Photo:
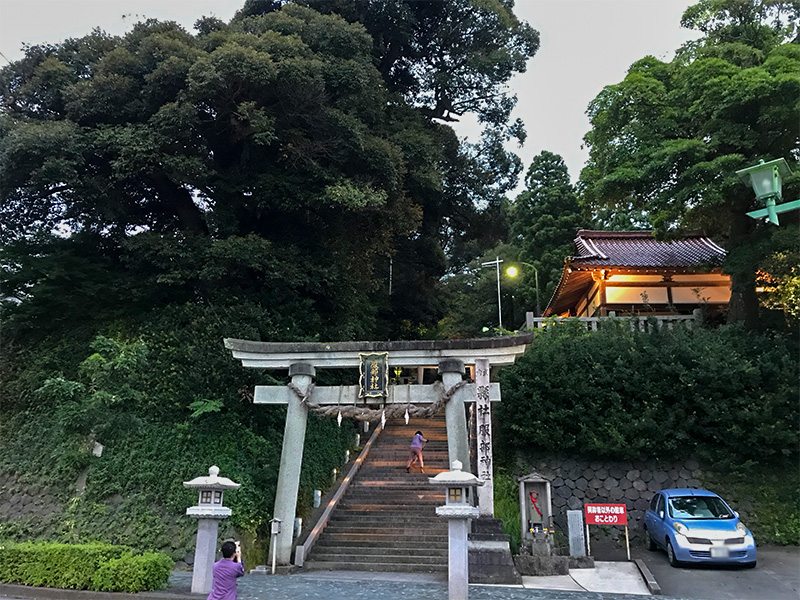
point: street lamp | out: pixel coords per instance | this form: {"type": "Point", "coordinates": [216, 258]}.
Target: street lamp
{"type": "Point", "coordinates": [496, 262]}
{"type": "Point", "coordinates": [513, 272]}
{"type": "Point", "coordinates": [766, 178]}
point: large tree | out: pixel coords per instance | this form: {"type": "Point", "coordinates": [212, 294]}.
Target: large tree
{"type": "Point", "coordinates": [666, 141]}
{"type": "Point", "coordinates": [448, 57]}
{"type": "Point", "coordinates": [543, 222]}
{"type": "Point", "coordinates": [266, 158]}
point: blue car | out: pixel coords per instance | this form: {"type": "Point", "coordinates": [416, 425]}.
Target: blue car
{"type": "Point", "coordinates": [697, 526]}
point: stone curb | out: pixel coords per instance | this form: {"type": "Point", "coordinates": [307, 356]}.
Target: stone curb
{"type": "Point", "coordinates": [45, 593]}
{"type": "Point", "coordinates": [649, 580]}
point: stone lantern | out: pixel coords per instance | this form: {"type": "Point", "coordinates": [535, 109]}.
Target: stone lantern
{"type": "Point", "coordinates": [458, 509]}
{"type": "Point", "coordinates": [209, 511]}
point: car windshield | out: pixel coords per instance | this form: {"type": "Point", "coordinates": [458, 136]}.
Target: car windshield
{"type": "Point", "coordinates": [698, 507]}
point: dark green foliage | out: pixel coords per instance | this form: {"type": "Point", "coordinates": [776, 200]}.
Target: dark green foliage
{"type": "Point", "coordinates": [770, 496]}
{"type": "Point", "coordinates": [134, 494]}
{"type": "Point", "coordinates": [725, 395]}
{"type": "Point", "coordinates": [149, 571]}
{"type": "Point", "coordinates": [266, 160]}
{"type": "Point", "coordinates": [449, 57]}
{"type": "Point", "coordinates": [506, 507]}
{"type": "Point", "coordinates": [543, 222]}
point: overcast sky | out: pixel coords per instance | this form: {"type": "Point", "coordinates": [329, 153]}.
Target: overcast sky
{"type": "Point", "coordinates": [585, 45]}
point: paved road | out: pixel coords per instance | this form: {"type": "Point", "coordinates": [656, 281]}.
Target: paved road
{"type": "Point", "coordinates": [776, 577]}
{"type": "Point", "coordinates": [386, 586]}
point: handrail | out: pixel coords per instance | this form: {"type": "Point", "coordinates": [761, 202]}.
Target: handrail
{"type": "Point", "coordinates": [302, 551]}
{"type": "Point", "coordinates": [592, 323]}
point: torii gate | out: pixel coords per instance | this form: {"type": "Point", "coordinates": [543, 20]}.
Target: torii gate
{"type": "Point", "coordinates": [303, 358]}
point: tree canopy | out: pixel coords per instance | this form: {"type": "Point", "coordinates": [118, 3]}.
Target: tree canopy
{"type": "Point", "coordinates": [667, 140]}
{"type": "Point", "coordinates": [543, 221]}
{"type": "Point", "coordinates": [266, 158]}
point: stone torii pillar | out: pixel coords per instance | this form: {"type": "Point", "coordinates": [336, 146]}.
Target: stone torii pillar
{"type": "Point", "coordinates": [294, 437]}
{"type": "Point", "coordinates": [452, 372]}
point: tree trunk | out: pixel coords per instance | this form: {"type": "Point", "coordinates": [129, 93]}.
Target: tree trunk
{"type": "Point", "coordinates": [741, 264]}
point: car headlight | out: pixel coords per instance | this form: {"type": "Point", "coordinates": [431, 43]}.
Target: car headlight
{"type": "Point", "coordinates": [741, 528]}
{"type": "Point", "coordinates": [681, 528]}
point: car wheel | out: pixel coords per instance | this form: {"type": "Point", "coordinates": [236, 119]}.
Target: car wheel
{"type": "Point", "coordinates": [651, 543]}
{"type": "Point", "coordinates": [671, 555]}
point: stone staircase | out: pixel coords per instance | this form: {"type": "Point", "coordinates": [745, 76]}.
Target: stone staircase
{"type": "Point", "coordinates": [387, 520]}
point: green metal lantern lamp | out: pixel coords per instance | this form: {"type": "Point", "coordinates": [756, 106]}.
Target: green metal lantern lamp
{"type": "Point", "coordinates": [766, 179]}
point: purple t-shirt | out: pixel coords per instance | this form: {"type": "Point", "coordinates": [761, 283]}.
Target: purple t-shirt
{"type": "Point", "coordinates": [417, 441]}
{"type": "Point", "coordinates": [225, 573]}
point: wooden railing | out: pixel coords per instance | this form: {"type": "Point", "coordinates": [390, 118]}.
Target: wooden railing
{"type": "Point", "coordinates": [642, 323]}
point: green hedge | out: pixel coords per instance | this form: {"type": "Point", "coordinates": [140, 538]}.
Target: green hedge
{"type": "Point", "coordinates": [149, 571]}
{"type": "Point", "coordinates": [102, 567]}
{"type": "Point", "coordinates": [727, 396]}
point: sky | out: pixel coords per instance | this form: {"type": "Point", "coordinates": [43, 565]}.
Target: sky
{"type": "Point", "coordinates": [585, 45]}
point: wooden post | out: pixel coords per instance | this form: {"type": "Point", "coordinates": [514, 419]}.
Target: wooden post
{"type": "Point", "coordinates": [588, 542]}
{"type": "Point", "coordinates": [627, 543]}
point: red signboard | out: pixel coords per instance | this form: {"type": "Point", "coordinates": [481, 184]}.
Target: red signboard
{"type": "Point", "coordinates": [606, 514]}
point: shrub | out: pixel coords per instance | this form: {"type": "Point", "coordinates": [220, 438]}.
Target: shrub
{"type": "Point", "coordinates": [728, 396]}
{"type": "Point", "coordinates": [55, 565]}
{"type": "Point", "coordinates": [506, 507]}
{"type": "Point", "coordinates": [82, 566]}
{"type": "Point", "coordinates": [149, 571]}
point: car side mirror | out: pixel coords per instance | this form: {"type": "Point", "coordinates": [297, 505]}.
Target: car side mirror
{"type": "Point", "coordinates": [661, 514]}
{"type": "Point", "coordinates": [736, 513]}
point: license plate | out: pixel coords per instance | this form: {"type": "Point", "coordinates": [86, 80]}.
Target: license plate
{"type": "Point", "coordinates": [720, 553]}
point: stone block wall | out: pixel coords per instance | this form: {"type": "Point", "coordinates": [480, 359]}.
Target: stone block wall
{"type": "Point", "coordinates": [575, 482]}
{"type": "Point", "coordinates": [20, 500]}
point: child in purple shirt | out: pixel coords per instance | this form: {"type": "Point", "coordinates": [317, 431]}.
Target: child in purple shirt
{"type": "Point", "coordinates": [415, 452]}
{"type": "Point", "coordinates": [226, 571]}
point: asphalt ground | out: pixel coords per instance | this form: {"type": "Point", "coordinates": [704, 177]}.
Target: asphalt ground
{"type": "Point", "coordinates": [337, 585]}
{"type": "Point", "coordinates": [777, 577]}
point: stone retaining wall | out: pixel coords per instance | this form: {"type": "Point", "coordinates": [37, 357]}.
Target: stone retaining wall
{"type": "Point", "coordinates": [20, 500]}
{"type": "Point", "coordinates": [575, 482]}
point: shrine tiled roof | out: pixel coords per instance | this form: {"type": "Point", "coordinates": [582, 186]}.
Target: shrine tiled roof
{"type": "Point", "coordinates": [639, 249]}
{"type": "Point", "coordinates": [629, 251]}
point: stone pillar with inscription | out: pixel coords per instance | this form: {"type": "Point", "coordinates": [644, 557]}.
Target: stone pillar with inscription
{"type": "Point", "coordinates": [483, 423]}
{"type": "Point", "coordinates": [490, 558]}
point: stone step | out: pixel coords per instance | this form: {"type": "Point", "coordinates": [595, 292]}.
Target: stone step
{"type": "Point", "coordinates": [374, 551]}
{"type": "Point", "coordinates": [401, 483]}
{"type": "Point", "coordinates": [399, 509]}
{"type": "Point", "coordinates": [409, 511]}
{"type": "Point", "coordinates": [396, 497]}
{"type": "Point", "coordinates": [389, 567]}
{"type": "Point", "coordinates": [387, 520]}
{"type": "Point", "coordinates": [371, 558]}
{"type": "Point", "coordinates": [385, 531]}
{"type": "Point", "coordinates": [398, 473]}
{"type": "Point", "coordinates": [347, 538]}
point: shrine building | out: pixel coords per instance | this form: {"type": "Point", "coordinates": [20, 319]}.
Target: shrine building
{"type": "Point", "coordinates": [632, 273]}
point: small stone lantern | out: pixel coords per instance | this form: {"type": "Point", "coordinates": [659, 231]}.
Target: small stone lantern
{"type": "Point", "coordinates": [458, 509]}
{"type": "Point", "coordinates": [209, 511]}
